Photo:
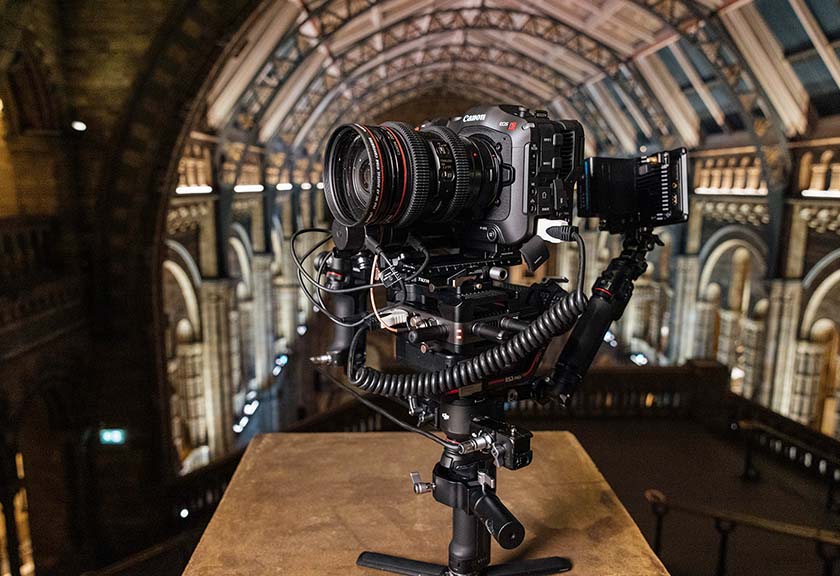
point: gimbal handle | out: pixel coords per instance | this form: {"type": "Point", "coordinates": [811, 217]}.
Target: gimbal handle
{"type": "Point", "coordinates": [610, 295]}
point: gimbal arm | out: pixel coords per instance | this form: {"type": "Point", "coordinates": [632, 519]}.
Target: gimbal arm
{"type": "Point", "coordinates": [610, 296]}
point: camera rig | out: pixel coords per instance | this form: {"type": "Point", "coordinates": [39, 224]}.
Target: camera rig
{"type": "Point", "coordinates": [474, 342]}
{"type": "Point", "coordinates": [435, 218]}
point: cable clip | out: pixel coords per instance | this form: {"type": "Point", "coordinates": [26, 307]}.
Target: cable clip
{"type": "Point", "coordinates": [390, 276]}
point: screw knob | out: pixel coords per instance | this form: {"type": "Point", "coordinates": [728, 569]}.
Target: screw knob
{"type": "Point", "coordinates": [420, 487]}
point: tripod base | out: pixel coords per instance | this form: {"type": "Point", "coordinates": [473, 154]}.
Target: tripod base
{"type": "Point", "coordinates": [406, 567]}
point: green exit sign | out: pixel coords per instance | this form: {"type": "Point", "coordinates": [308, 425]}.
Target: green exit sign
{"type": "Point", "coordinates": [112, 436]}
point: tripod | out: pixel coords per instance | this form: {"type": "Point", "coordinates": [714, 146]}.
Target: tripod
{"type": "Point", "coordinates": [466, 483]}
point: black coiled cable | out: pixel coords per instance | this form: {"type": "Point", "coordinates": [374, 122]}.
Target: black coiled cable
{"type": "Point", "coordinates": [557, 320]}
{"type": "Point", "coordinates": [553, 322]}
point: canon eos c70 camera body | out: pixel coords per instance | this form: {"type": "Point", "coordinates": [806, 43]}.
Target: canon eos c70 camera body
{"type": "Point", "coordinates": [485, 176]}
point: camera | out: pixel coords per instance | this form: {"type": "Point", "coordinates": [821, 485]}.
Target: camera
{"type": "Point", "coordinates": [436, 216]}
{"type": "Point", "coordinates": [484, 177]}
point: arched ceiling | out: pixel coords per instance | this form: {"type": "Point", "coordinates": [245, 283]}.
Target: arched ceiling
{"type": "Point", "coordinates": [552, 49]}
{"type": "Point", "coordinates": [639, 74]}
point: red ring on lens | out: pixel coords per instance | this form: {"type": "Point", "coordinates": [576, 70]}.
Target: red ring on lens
{"type": "Point", "coordinates": [396, 212]}
{"type": "Point", "coordinates": [371, 135]}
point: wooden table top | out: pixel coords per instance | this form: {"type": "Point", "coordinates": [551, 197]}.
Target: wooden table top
{"type": "Point", "coordinates": [307, 504]}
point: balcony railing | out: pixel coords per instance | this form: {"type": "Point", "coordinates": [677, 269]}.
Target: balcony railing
{"type": "Point", "coordinates": [28, 248]}
{"type": "Point", "coordinates": [763, 431]}
{"type": "Point", "coordinates": [827, 542]}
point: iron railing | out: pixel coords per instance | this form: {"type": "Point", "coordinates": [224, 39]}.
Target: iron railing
{"type": "Point", "coordinates": [791, 450]}
{"type": "Point", "coordinates": [786, 441]}
{"type": "Point", "coordinates": [827, 542]}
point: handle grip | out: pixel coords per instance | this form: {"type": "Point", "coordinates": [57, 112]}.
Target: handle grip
{"type": "Point", "coordinates": [500, 522]}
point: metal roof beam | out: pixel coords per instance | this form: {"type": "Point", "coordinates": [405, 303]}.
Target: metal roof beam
{"type": "Point", "coordinates": [818, 39]}
{"type": "Point", "coordinates": [699, 86]}
{"type": "Point", "coordinates": [764, 55]}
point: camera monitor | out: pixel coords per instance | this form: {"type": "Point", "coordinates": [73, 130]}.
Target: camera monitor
{"type": "Point", "coordinates": [631, 193]}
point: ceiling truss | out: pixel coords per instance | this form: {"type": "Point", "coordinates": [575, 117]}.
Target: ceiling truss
{"type": "Point", "coordinates": [337, 79]}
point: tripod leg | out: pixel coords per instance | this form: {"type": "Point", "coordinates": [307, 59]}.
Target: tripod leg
{"type": "Point", "coordinates": [538, 567]}
{"type": "Point", "coordinates": [397, 565]}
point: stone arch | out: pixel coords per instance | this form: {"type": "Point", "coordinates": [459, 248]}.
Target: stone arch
{"type": "Point", "coordinates": [187, 393]}
{"type": "Point", "coordinates": [822, 294]}
{"type": "Point", "coordinates": [735, 259]}
{"type": "Point", "coordinates": [132, 200]}
{"type": "Point", "coordinates": [725, 242]}
{"type": "Point", "coordinates": [244, 252]}
{"type": "Point", "coordinates": [29, 92]}
{"type": "Point", "coordinates": [188, 293]}
{"type": "Point", "coordinates": [188, 262]}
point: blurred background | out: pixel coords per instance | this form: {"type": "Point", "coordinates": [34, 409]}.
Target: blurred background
{"type": "Point", "coordinates": [157, 156]}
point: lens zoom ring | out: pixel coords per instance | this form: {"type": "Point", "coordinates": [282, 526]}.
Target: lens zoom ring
{"type": "Point", "coordinates": [462, 171]}
{"type": "Point", "coordinates": [418, 161]}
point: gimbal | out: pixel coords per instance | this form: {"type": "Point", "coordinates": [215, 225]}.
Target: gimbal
{"type": "Point", "coordinates": [478, 438]}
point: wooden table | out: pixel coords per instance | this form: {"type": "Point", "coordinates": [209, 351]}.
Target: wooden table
{"type": "Point", "coordinates": [307, 504]}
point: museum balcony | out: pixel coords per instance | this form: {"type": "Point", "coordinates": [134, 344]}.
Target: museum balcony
{"type": "Point", "coordinates": [716, 483]}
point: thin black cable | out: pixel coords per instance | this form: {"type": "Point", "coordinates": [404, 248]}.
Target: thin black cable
{"type": "Point", "coordinates": [300, 261]}
{"type": "Point", "coordinates": [301, 270]}
{"type": "Point", "coordinates": [582, 264]}
{"type": "Point", "coordinates": [404, 425]}
{"type": "Point", "coordinates": [426, 258]}
{"type": "Point", "coordinates": [332, 317]}
{"type": "Point", "coordinates": [319, 303]}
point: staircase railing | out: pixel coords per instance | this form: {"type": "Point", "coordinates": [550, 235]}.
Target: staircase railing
{"type": "Point", "coordinates": [786, 441]}
{"type": "Point", "coordinates": [827, 542]}
{"type": "Point", "coordinates": [791, 450]}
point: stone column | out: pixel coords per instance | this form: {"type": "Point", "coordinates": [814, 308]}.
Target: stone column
{"type": "Point", "coordinates": [217, 301]}
{"type": "Point", "coordinates": [730, 333]}
{"type": "Point", "coordinates": [706, 331]}
{"type": "Point", "coordinates": [755, 348]}
{"type": "Point", "coordinates": [262, 321]}
{"type": "Point", "coordinates": [286, 303]}
{"type": "Point", "coordinates": [236, 393]}
{"type": "Point", "coordinates": [191, 391]}
{"type": "Point", "coordinates": [684, 321]}
{"type": "Point", "coordinates": [176, 403]}
{"type": "Point", "coordinates": [807, 373]}
{"type": "Point", "coordinates": [787, 299]}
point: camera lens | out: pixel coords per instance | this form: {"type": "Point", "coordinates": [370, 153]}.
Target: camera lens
{"type": "Point", "coordinates": [391, 174]}
{"type": "Point", "coordinates": [373, 175]}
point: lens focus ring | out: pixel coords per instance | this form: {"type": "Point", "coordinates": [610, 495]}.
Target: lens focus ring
{"type": "Point", "coordinates": [420, 173]}
{"type": "Point", "coordinates": [462, 171]}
